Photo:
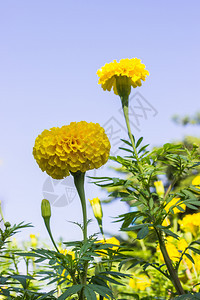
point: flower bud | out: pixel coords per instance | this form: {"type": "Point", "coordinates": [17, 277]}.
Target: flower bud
{"type": "Point", "coordinates": [96, 207]}
{"type": "Point", "coordinates": [45, 209]}
{"type": "Point", "coordinates": [7, 224]}
{"type": "Point", "coordinates": [159, 188]}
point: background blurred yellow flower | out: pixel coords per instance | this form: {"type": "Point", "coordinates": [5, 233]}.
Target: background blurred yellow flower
{"type": "Point", "coordinates": [175, 209]}
{"type": "Point", "coordinates": [190, 223]}
{"type": "Point", "coordinates": [34, 240]}
{"type": "Point", "coordinates": [122, 75]}
{"type": "Point", "coordinates": [111, 240]}
{"type": "Point", "coordinates": [139, 282]}
{"type": "Point", "coordinates": [196, 181]}
{"type": "Point", "coordinates": [159, 188]}
{"type": "Point", "coordinates": [80, 146]}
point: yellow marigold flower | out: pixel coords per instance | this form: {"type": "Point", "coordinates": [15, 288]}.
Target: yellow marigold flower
{"type": "Point", "coordinates": [166, 222]}
{"type": "Point", "coordinates": [122, 75]}
{"type": "Point", "coordinates": [175, 249]}
{"type": "Point", "coordinates": [80, 146]}
{"type": "Point", "coordinates": [65, 252]}
{"type": "Point", "coordinates": [175, 209]}
{"type": "Point", "coordinates": [113, 241]}
{"type": "Point", "coordinates": [159, 188]}
{"type": "Point", "coordinates": [69, 252]}
{"type": "Point", "coordinates": [96, 207]}
{"type": "Point", "coordinates": [140, 283]}
{"type": "Point", "coordinates": [34, 240]}
{"type": "Point", "coordinates": [191, 223]}
{"type": "Point", "coordinates": [196, 181]}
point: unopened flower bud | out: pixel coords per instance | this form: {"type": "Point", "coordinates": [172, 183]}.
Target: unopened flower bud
{"type": "Point", "coordinates": [96, 207]}
{"type": "Point", "coordinates": [7, 224]}
{"type": "Point", "coordinates": [45, 209]}
{"type": "Point", "coordinates": [159, 188]}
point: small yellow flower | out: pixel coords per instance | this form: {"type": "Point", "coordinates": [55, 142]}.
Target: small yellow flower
{"type": "Point", "coordinates": [122, 75]}
{"type": "Point", "coordinates": [196, 181]}
{"type": "Point", "coordinates": [175, 249]}
{"type": "Point", "coordinates": [112, 241]}
{"type": "Point", "coordinates": [190, 223]}
{"type": "Point", "coordinates": [80, 146]}
{"type": "Point", "coordinates": [96, 207]}
{"type": "Point", "coordinates": [34, 240]}
{"type": "Point", "coordinates": [166, 222]}
{"type": "Point", "coordinates": [175, 209]}
{"type": "Point", "coordinates": [140, 282]}
{"type": "Point", "coordinates": [159, 188]}
{"type": "Point", "coordinates": [65, 252]}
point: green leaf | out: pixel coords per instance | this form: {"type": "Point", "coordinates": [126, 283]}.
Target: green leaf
{"type": "Point", "coordinates": [143, 233]}
{"type": "Point", "coordinates": [194, 249]}
{"type": "Point", "coordinates": [110, 279]}
{"type": "Point", "coordinates": [135, 227]}
{"type": "Point", "coordinates": [89, 293]}
{"type": "Point", "coordinates": [189, 257]}
{"type": "Point", "coordinates": [139, 142]}
{"type": "Point", "coordinates": [127, 142]}
{"type": "Point", "coordinates": [151, 203]}
{"type": "Point", "coordinates": [102, 290]}
{"type": "Point", "coordinates": [191, 206]}
{"type": "Point", "coordinates": [70, 291]}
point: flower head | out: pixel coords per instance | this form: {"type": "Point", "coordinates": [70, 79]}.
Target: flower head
{"type": "Point", "coordinates": [122, 75]}
{"type": "Point", "coordinates": [80, 146]}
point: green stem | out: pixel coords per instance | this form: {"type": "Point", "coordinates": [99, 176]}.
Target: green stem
{"type": "Point", "coordinates": [174, 277]}
{"type": "Point", "coordinates": [79, 183]}
{"type": "Point", "coordinates": [1, 213]}
{"type": "Point", "coordinates": [170, 188]}
{"type": "Point", "coordinates": [47, 224]}
{"type": "Point", "coordinates": [126, 115]}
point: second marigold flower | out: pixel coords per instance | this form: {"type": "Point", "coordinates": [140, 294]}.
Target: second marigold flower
{"type": "Point", "coordinates": [122, 75]}
{"type": "Point", "coordinates": [80, 146]}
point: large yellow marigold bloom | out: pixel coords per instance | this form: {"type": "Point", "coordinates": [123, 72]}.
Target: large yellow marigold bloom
{"type": "Point", "coordinates": [122, 75]}
{"type": "Point", "coordinates": [80, 146]}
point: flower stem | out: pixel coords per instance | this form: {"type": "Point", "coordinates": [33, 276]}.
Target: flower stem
{"type": "Point", "coordinates": [79, 183]}
{"type": "Point", "coordinates": [126, 115]}
{"type": "Point", "coordinates": [47, 224]}
{"type": "Point", "coordinates": [1, 213]}
{"type": "Point", "coordinates": [173, 274]}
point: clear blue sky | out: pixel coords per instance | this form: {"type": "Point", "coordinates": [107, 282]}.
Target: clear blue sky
{"type": "Point", "coordinates": [49, 54]}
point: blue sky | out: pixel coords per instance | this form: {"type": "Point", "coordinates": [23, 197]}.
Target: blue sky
{"type": "Point", "coordinates": [50, 52]}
